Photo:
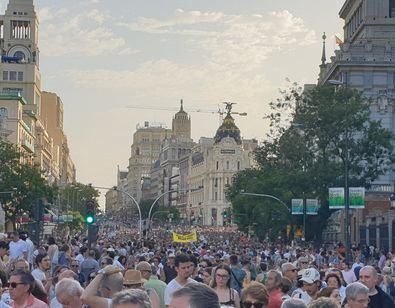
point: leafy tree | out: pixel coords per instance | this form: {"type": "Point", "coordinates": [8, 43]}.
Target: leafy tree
{"type": "Point", "coordinates": [24, 179]}
{"type": "Point", "coordinates": [305, 154]}
{"type": "Point", "coordinates": [73, 197]}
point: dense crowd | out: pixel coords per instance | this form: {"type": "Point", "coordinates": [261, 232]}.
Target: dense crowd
{"type": "Point", "coordinates": [223, 268]}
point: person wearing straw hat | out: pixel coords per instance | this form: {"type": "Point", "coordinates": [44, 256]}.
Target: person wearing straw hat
{"type": "Point", "coordinates": [132, 279]}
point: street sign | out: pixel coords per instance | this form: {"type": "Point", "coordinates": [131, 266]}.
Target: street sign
{"type": "Point", "coordinates": [312, 206]}
{"type": "Point", "coordinates": [336, 198]}
{"type": "Point", "coordinates": [297, 206]}
{"type": "Point", "coordinates": [357, 197]}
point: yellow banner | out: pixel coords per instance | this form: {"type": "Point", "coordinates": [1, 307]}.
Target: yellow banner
{"type": "Point", "coordinates": [185, 238]}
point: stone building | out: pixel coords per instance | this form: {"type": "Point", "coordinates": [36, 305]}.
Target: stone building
{"type": "Point", "coordinates": [366, 61]}
{"type": "Point", "coordinates": [25, 120]}
{"type": "Point", "coordinates": [212, 166]}
{"type": "Point", "coordinates": [147, 143]}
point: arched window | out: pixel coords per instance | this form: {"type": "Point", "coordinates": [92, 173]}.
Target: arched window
{"type": "Point", "coordinates": [20, 55]}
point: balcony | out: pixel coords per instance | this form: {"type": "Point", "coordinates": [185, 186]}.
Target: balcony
{"type": "Point", "coordinates": [27, 145]}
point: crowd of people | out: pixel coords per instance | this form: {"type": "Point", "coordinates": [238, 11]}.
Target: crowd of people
{"type": "Point", "coordinates": [223, 268]}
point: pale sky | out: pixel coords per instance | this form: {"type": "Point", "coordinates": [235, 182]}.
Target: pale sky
{"type": "Point", "coordinates": [100, 56]}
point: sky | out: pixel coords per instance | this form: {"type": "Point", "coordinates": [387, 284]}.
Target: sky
{"type": "Point", "coordinates": [101, 56]}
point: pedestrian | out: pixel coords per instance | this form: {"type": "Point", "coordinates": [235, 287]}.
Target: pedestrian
{"type": "Point", "coordinates": [311, 285]}
{"type": "Point", "coordinates": [89, 265]}
{"type": "Point", "coordinates": [332, 293]}
{"type": "Point", "coordinates": [108, 281]}
{"type": "Point", "coordinates": [323, 302]}
{"type": "Point", "coordinates": [228, 297]}
{"type": "Point", "coordinates": [273, 286]}
{"type": "Point", "coordinates": [68, 292]}
{"type": "Point", "coordinates": [18, 248]}
{"type": "Point", "coordinates": [289, 271]}
{"type": "Point", "coordinates": [21, 285]}
{"type": "Point", "coordinates": [357, 296]}
{"type": "Point", "coordinates": [152, 281]}
{"type": "Point", "coordinates": [237, 274]}
{"type": "Point", "coordinates": [132, 298]}
{"type": "Point", "coordinates": [378, 298]}
{"type": "Point", "coordinates": [255, 295]}
{"type": "Point", "coordinates": [194, 295]}
{"type": "Point", "coordinates": [182, 265]}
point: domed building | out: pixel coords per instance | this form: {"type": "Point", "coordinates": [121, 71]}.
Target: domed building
{"type": "Point", "coordinates": [212, 165]}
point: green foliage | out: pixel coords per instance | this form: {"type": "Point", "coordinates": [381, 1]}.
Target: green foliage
{"type": "Point", "coordinates": [25, 178]}
{"type": "Point", "coordinates": [74, 197]}
{"type": "Point", "coordinates": [304, 154]}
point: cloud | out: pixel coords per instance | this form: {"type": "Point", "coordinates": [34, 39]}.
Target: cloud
{"type": "Point", "coordinates": [84, 34]}
{"type": "Point", "coordinates": [231, 39]}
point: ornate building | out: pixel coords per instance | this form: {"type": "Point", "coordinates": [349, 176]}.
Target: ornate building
{"type": "Point", "coordinates": [212, 166]}
{"type": "Point", "coordinates": [366, 61]}
{"type": "Point", "coordinates": [24, 120]}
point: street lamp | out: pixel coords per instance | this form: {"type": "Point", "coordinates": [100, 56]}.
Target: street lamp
{"type": "Point", "coordinates": [347, 238]}
{"type": "Point", "coordinates": [115, 188]}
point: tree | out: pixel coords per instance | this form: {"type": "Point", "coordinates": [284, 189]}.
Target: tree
{"type": "Point", "coordinates": [304, 153]}
{"type": "Point", "coordinates": [26, 179]}
{"type": "Point", "coordinates": [74, 196]}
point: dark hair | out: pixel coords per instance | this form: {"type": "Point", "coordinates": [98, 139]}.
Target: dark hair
{"type": "Point", "coordinates": [26, 278]}
{"type": "Point", "coordinates": [4, 245]}
{"type": "Point", "coordinates": [263, 266]}
{"type": "Point", "coordinates": [111, 254]}
{"type": "Point", "coordinates": [233, 259]}
{"type": "Point", "coordinates": [182, 258]}
{"type": "Point", "coordinates": [51, 241]}
{"type": "Point", "coordinates": [83, 250]}
{"type": "Point", "coordinates": [223, 267]}
{"type": "Point", "coordinates": [121, 259]}
{"type": "Point", "coordinates": [194, 260]}
{"type": "Point", "coordinates": [64, 247]}
{"type": "Point", "coordinates": [326, 292]}
{"type": "Point", "coordinates": [109, 261]}
{"type": "Point", "coordinates": [40, 258]}
{"type": "Point", "coordinates": [333, 275]}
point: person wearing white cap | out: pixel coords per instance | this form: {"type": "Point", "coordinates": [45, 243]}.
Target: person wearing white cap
{"type": "Point", "coordinates": [311, 285]}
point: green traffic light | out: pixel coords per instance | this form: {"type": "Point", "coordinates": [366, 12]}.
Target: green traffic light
{"type": "Point", "coordinates": [89, 220]}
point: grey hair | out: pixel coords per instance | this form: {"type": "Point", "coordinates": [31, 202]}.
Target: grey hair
{"type": "Point", "coordinates": [354, 289]}
{"type": "Point", "coordinates": [323, 302]}
{"type": "Point", "coordinates": [293, 303]}
{"type": "Point", "coordinates": [131, 296]}
{"type": "Point", "coordinates": [372, 270]}
{"type": "Point", "coordinates": [285, 267]}
{"type": "Point", "coordinates": [200, 295]}
{"type": "Point", "coordinates": [68, 286]}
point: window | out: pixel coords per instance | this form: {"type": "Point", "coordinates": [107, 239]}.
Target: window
{"type": "Point", "coordinates": [13, 75]}
{"type": "Point", "coordinates": [20, 55]}
{"type": "Point", "coordinates": [20, 76]}
{"type": "Point", "coordinates": [217, 165]}
{"type": "Point", "coordinates": [392, 8]}
{"type": "Point", "coordinates": [238, 165]}
{"type": "Point", "coordinates": [5, 75]}
{"type": "Point", "coordinates": [227, 165]}
{"type": "Point", "coordinates": [216, 182]}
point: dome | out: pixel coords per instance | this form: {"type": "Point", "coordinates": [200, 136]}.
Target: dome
{"type": "Point", "coordinates": [228, 129]}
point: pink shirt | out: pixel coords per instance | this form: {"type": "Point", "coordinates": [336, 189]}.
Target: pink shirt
{"type": "Point", "coordinates": [275, 299]}
{"type": "Point", "coordinates": [32, 302]}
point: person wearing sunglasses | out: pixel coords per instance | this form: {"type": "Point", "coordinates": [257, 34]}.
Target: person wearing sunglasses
{"type": "Point", "coordinates": [21, 284]}
{"type": "Point", "coordinates": [228, 297]}
{"type": "Point", "coordinates": [255, 296]}
{"type": "Point", "coordinates": [291, 272]}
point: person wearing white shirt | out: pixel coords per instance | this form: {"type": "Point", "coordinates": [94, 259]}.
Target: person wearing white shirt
{"type": "Point", "coordinates": [18, 247]}
{"type": "Point", "coordinates": [183, 266]}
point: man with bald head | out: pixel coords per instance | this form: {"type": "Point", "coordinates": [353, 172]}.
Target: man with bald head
{"type": "Point", "coordinates": [378, 298]}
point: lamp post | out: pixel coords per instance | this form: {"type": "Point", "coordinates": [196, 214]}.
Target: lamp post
{"type": "Point", "coordinates": [347, 238]}
{"type": "Point", "coordinates": [132, 198]}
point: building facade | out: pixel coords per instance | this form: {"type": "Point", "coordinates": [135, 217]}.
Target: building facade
{"type": "Point", "coordinates": [212, 166]}
{"type": "Point", "coordinates": [365, 62]}
{"type": "Point", "coordinates": [27, 121]}
{"type": "Point", "coordinates": [147, 142]}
